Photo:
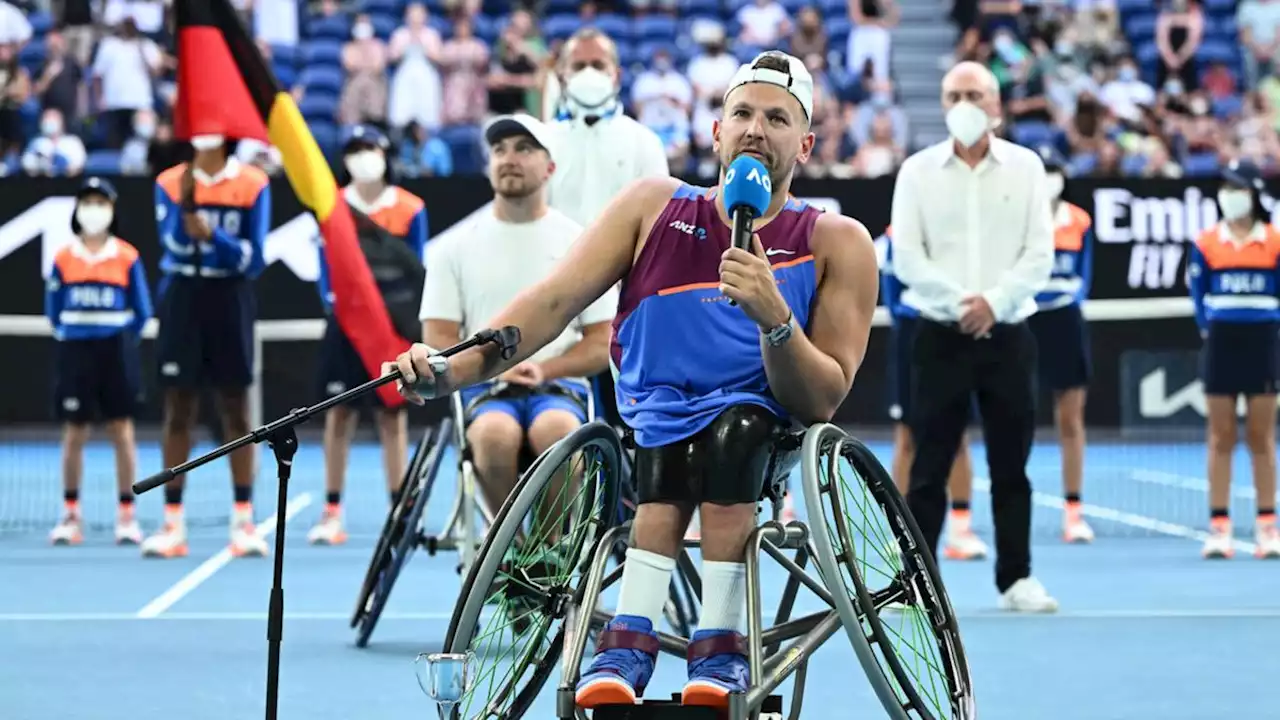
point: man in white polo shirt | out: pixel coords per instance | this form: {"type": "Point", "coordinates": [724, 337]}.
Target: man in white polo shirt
{"type": "Point", "coordinates": [474, 273]}
{"type": "Point", "coordinates": [973, 243]}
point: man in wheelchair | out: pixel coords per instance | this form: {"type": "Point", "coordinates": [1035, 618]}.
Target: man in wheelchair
{"type": "Point", "coordinates": [475, 273]}
{"type": "Point", "coordinates": [702, 382]}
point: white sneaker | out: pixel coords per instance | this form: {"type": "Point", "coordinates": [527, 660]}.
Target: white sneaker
{"type": "Point", "coordinates": [128, 532]}
{"type": "Point", "coordinates": [69, 530]}
{"type": "Point", "coordinates": [961, 542]}
{"type": "Point", "coordinates": [170, 541]}
{"type": "Point", "coordinates": [1074, 527]}
{"type": "Point", "coordinates": [245, 541]}
{"type": "Point", "coordinates": [328, 531]}
{"type": "Point", "coordinates": [1028, 596]}
{"type": "Point", "coordinates": [1267, 537]}
{"type": "Point", "coordinates": [1220, 544]}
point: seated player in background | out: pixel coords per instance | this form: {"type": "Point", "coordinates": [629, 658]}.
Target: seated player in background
{"type": "Point", "coordinates": [1232, 275]}
{"type": "Point", "coordinates": [1062, 339]}
{"type": "Point", "coordinates": [98, 302]}
{"type": "Point", "coordinates": [401, 214]}
{"type": "Point", "coordinates": [213, 216]}
{"type": "Point", "coordinates": [473, 275]}
{"type": "Point", "coordinates": [961, 542]}
{"type": "Point", "coordinates": [703, 384]}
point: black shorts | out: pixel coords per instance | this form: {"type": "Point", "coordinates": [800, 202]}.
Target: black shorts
{"type": "Point", "coordinates": [340, 367]}
{"type": "Point", "coordinates": [1062, 348]}
{"type": "Point", "coordinates": [901, 336]}
{"type": "Point", "coordinates": [1240, 359]}
{"type": "Point", "coordinates": [98, 379]}
{"type": "Point", "coordinates": [206, 332]}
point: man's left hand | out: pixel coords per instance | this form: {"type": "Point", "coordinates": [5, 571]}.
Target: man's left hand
{"type": "Point", "coordinates": [976, 316]}
{"type": "Point", "coordinates": [747, 279]}
{"type": "Point", "coordinates": [528, 374]}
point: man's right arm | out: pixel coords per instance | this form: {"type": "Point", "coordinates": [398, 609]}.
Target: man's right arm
{"type": "Point", "coordinates": [598, 260]}
{"type": "Point", "coordinates": [911, 262]}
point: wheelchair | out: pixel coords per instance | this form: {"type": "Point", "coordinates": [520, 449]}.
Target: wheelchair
{"type": "Point", "coordinates": [470, 518]}
{"type": "Point", "coordinates": [874, 575]}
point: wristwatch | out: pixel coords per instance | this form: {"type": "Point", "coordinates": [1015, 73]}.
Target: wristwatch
{"type": "Point", "coordinates": [777, 336]}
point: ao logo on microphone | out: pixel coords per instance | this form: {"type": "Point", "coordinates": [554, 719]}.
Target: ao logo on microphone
{"type": "Point", "coordinates": [755, 176]}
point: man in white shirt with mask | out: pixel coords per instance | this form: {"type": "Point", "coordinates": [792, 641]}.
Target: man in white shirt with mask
{"type": "Point", "coordinates": [600, 150]}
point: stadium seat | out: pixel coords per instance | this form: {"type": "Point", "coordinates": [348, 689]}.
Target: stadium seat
{"type": "Point", "coordinates": [838, 29]}
{"type": "Point", "coordinates": [384, 25]}
{"type": "Point", "coordinates": [1219, 7]}
{"type": "Point", "coordinates": [334, 27]}
{"type": "Point", "coordinates": [647, 50]}
{"type": "Point", "coordinates": [41, 23]}
{"type": "Point", "coordinates": [286, 75]}
{"type": "Point", "coordinates": [326, 135]}
{"type": "Point", "coordinates": [628, 55]}
{"type": "Point", "coordinates": [615, 26]}
{"type": "Point", "coordinates": [284, 54]}
{"type": "Point", "coordinates": [1133, 165]}
{"type": "Point", "coordinates": [1129, 6]}
{"type": "Point", "coordinates": [555, 7]}
{"type": "Point", "coordinates": [559, 27]}
{"type": "Point", "coordinates": [465, 147]}
{"type": "Point", "coordinates": [485, 28]}
{"type": "Point", "coordinates": [442, 25]}
{"type": "Point", "coordinates": [793, 7]}
{"type": "Point", "coordinates": [654, 27]}
{"type": "Point", "coordinates": [1218, 51]}
{"type": "Point", "coordinates": [322, 52]}
{"type": "Point", "coordinates": [700, 8]}
{"type": "Point", "coordinates": [322, 79]}
{"type": "Point", "coordinates": [1140, 28]}
{"type": "Point", "coordinates": [1200, 164]}
{"type": "Point", "coordinates": [1228, 107]}
{"type": "Point", "coordinates": [382, 7]}
{"type": "Point", "coordinates": [32, 55]}
{"type": "Point", "coordinates": [102, 162]}
{"type": "Point", "coordinates": [1147, 53]}
{"type": "Point", "coordinates": [746, 53]}
{"type": "Point", "coordinates": [1222, 28]}
{"type": "Point", "coordinates": [316, 107]}
{"type": "Point", "coordinates": [1032, 134]}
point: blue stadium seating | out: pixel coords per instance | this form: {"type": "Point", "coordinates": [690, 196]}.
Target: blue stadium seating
{"type": "Point", "coordinates": [654, 27]}
{"type": "Point", "coordinates": [321, 79]}
{"type": "Point", "coordinates": [442, 25]}
{"type": "Point", "coordinates": [701, 8]}
{"type": "Point", "coordinates": [383, 7]}
{"type": "Point", "coordinates": [102, 162]}
{"type": "Point", "coordinates": [286, 75]}
{"type": "Point", "coordinates": [559, 27]}
{"type": "Point", "coordinates": [1228, 107]}
{"type": "Point", "coordinates": [465, 147]}
{"type": "Point", "coordinates": [485, 28]}
{"type": "Point", "coordinates": [384, 25]}
{"type": "Point", "coordinates": [284, 54]}
{"type": "Point", "coordinates": [322, 52]}
{"type": "Point", "coordinates": [617, 27]}
{"type": "Point", "coordinates": [41, 23]}
{"type": "Point", "coordinates": [1200, 164]}
{"type": "Point", "coordinates": [335, 27]}
{"type": "Point", "coordinates": [32, 55]}
{"type": "Point", "coordinates": [1140, 28]}
{"type": "Point", "coordinates": [318, 106]}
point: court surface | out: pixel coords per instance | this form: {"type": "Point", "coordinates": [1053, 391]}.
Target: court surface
{"type": "Point", "coordinates": [1147, 630]}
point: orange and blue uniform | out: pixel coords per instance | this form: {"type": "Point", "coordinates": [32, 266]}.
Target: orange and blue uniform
{"type": "Point", "coordinates": [1235, 287]}
{"type": "Point", "coordinates": [1062, 335]}
{"type": "Point", "coordinates": [901, 331]}
{"type": "Point", "coordinates": [206, 301]}
{"type": "Point", "coordinates": [98, 304]}
{"type": "Point", "coordinates": [402, 215]}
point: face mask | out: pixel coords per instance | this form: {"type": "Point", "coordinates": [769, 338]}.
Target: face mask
{"type": "Point", "coordinates": [591, 88]}
{"type": "Point", "coordinates": [1173, 87]}
{"type": "Point", "coordinates": [1055, 183]}
{"type": "Point", "coordinates": [207, 142]}
{"type": "Point", "coordinates": [881, 100]}
{"type": "Point", "coordinates": [662, 64]}
{"type": "Point", "coordinates": [363, 31]}
{"type": "Point", "coordinates": [94, 219]}
{"type": "Point", "coordinates": [1064, 48]}
{"type": "Point", "coordinates": [1003, 43]}
{"type": "Point", "coordinates": [366, 165]}
{"type": "Point", "coordinates": [1199, 106]}
{"type": "Point", "coordinates": [1128, 74]}
{"type": "Point", "coordinates": [1235, 204]}
{"type": "Point", "coordinates": [51, 126]}
{"type": "Point", "coordinates": [967, 123]}
{"type": "Point", "coordinates": [144, 130]}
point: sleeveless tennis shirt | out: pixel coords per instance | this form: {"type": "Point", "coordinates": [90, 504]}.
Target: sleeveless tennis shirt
{"type": "Point", "coordinates": [681, 353]}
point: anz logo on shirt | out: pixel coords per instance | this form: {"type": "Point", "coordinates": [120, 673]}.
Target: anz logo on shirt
{"type": "Point", "coordinates": [689, 229]}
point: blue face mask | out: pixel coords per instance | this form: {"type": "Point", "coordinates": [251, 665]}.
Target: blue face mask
{"type": "Point", "coordinates": [881, 100]}
{"type": "Point", "coordinates": [1128, 74]}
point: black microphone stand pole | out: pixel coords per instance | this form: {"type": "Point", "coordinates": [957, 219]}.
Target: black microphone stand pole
{"type": "Point", "coordinates": [283, 439]}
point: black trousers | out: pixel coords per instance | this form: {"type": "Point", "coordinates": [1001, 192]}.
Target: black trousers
{"type": "Point", "coordinates": [949, 368]}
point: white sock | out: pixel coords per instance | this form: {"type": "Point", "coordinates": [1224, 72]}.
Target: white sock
{"type": "Point", "coordinates": [724, 595]}
{"type": "Point", "coordinates": [646, 583]}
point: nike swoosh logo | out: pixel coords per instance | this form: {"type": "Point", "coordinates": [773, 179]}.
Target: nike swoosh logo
{"type": "Point", "coordinates": [779, 251]}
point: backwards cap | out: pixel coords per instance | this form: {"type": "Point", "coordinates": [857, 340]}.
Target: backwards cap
{"type": "Point", "coordinates": [795, 80]}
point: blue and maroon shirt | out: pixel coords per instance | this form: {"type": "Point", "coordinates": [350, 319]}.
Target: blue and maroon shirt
{"type": "Point", "coordinates": [681, 353]}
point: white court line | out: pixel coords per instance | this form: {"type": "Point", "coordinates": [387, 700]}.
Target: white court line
{"type": "Point", "coordinates": [1141, 522]}
{"type": "Point", "coordinates": [1104, 614]}
{"type": "Point", "coordinates": [192, 580]}
{"type": "Point", "coordinates": [1188, 482]}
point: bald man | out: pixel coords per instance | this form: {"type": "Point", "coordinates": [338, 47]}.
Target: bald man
{"type": "Point", "coordinates": [973, 244]}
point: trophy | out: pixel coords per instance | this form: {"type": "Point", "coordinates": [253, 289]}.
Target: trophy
{"type": "Point", "coordinates": [445, 678]}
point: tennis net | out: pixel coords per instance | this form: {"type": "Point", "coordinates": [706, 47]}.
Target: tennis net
{"type": "Point", "coordinates": [1144, 463]}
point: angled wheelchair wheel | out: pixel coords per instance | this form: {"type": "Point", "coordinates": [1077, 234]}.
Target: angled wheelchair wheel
{"type": "Point", "coordinates": [401, 532]}
{"type": "Point", "coordinates": [884, 581]}
{"type": "Point", "coordinates": [531, 569]}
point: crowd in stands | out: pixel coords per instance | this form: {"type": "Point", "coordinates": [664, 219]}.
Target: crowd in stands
{"type": "Point", "coordinates": [1158, 88]}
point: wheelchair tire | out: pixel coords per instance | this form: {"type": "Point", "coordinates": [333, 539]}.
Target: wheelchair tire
{"type": "Point", "coordinates": [401, 532]}
{"type": "Point", "coordinates": [515, 697]}
{"type": "Point", "coordinates": [917, 584]}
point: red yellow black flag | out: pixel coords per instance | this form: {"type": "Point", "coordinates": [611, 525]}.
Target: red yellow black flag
{"type": "Point", "coordinates": [225, 87]}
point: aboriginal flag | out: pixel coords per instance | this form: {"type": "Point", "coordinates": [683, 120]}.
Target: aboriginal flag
{"type": "Point", "coordinates": [225, 87]}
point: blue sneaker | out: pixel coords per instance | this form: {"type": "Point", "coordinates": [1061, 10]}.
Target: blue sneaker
{"type": "Point", "coordinates": [717, 666]}
{"type": "Point", "coordinates": [625, 655]}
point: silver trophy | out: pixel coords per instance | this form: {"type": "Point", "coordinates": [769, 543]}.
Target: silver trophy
{"type": "Point", "coordinates": [445, 677]}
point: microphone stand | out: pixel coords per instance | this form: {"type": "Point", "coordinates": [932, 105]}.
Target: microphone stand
{"type": "Point", "coordinates": [282, 438]}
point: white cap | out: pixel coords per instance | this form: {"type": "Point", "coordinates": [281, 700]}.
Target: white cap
{"type": "Point", "coordinates": [796, 80]}
{"type": "Point", "coordinates": [504, 126]}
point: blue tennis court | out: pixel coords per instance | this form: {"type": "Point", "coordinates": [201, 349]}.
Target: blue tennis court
{"type": "Point", "coordinates": [1147, 630]}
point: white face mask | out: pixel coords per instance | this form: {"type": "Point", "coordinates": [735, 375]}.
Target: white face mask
{"type": "Point", "coordinates": [968, 123]}
{"type": "Point", "coordinates": [1055, 183]}
{"type": "Point", "coordinates": [363, 31]}
{"type": "Point", "coordinates": [94, 219]}
{"type": "Point", "coordinates": [207, 142]}
{"type": "Point", "coordinates": [591, 89]}
{"type": "Point", "coordinates": [366, 165]}
{"type": "Point", "coordinates": [51, 126]}
{"type": "Point", "coordinates": [1235, 204]}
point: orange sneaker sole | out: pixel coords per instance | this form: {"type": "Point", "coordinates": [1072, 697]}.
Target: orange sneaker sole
{"type": "Point", "coordinates": [705, 695]}
{"type": "Point", "coordinates": [605, 692]}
